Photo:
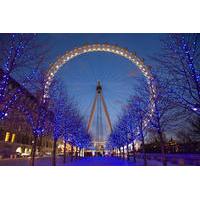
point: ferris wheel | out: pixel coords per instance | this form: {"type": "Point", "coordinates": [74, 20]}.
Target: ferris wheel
{"type": "Point", "coordinates": [111, 88]}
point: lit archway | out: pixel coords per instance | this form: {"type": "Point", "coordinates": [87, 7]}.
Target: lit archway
{"type": "Point", "coordinates": [105, 48]}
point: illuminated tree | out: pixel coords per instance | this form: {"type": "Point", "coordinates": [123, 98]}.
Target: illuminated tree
{"type": "Point", "coordinates": [38, 116]}
{"type": "Point", "coordinates": [75, 132]}
{"type": "Point", "coordinates": [72, 123]}
{"type": "Point", "coordinates": [68, 126]}
{"type": "Point", "coordinates": [137, 109]}
{"type": "Point", "coordinates": [62, 110]}
{"type": "Point", "coordinates": [123, 133]}
{"type": "Point", "coordinates": [20, 57]}
{"type": "Point", "coordinates": [81, 138]}
{"type": "Point", "coordinates": [58, 124]}
{"type": "Point", "coordinates": [36, 119]}
{"type": "Point", "coordinates": [128, 122]}
{"type": "Point", "coordinates": [165, 113]}
{"type": "Point", "coordinates": [180, 61]}
{"type": "Point", "coordinates": [117, 138]}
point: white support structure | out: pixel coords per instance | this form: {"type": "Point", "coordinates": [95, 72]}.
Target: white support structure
{"type": "Point", "coordinates": [105, 48]}
{"type": "Point", "coordinates": [99, 98]}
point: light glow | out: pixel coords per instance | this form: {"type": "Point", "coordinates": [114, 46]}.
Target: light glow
{"type": "Point", "coordinates": [7, 137]}
{"type": "Point", "coordinates": [13, 138]}
{"type": "Point", "coordinates": [108, 48]}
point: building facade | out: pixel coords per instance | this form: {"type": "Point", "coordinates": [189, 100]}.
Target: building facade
{"type": "Point", "coordinates": [16, 133]}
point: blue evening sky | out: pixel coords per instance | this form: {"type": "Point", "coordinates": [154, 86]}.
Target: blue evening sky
{"type": "Point", "coordinates": [117, 75]}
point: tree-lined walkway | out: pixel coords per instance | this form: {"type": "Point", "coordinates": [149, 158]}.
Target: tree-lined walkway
{"type": "Point", "coordinates": [81, 161]}
{"type": "Point", "coordinates": [86, 161]}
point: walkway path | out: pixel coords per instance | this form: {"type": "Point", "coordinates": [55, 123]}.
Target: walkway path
{"type": "Point", "coordinates": [86, 161]}
{"type": "Point", "coordinates": [100, 161]}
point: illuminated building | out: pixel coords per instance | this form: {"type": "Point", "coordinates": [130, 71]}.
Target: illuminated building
{"type": "Point", "coordinates": [15, 132]}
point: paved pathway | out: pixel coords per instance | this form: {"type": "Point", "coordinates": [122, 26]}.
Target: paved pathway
{"type": "Point", "coordinates": [86, 161]}
{"type": "Point", "coordinates": [100, 161]}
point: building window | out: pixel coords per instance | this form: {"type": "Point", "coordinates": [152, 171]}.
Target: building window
{"type": "Point", "coordinates": [7, 137]}
{"type": "Point", "coordinates": [13, 138]}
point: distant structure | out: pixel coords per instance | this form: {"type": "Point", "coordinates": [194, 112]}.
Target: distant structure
{"type": "Point", "coordinates": [98, 104]}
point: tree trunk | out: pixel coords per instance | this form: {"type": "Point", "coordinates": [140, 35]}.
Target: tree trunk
{"type": "Point", "coordinates": [127, 149]}
{"type": "Point", "coordinates": [162, 145]}
{"type": "Point", "coordinates": [64, 155]}
{"type": "Point", "coordinates": [34, 146]}
{"type": "Point", "coordinates": [123, 152]}
{"type": "Point", "coordinates": [72, 152]}
{"type": "Point", "coordinates": [134, 157]}
{"type": "Point", "coordinates": [144, 151]}
{"type": "Point", "coordinates": [119, 152]}
{"type": "Point", "coordinates": [79, 154]}
{"type": "Point", "coordinates": [76, 153]}
{"type": "Point", "coordinates": [54, 152]}
{"type": "Point", "coordinates": [82, 152]}
{"type": "Point", "coordinates": [113, 152]}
